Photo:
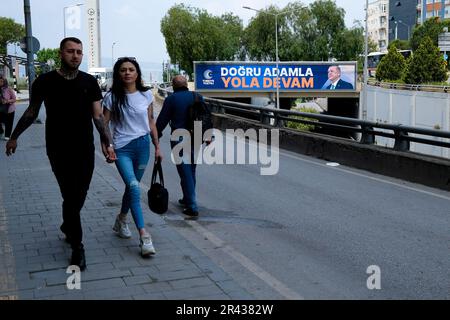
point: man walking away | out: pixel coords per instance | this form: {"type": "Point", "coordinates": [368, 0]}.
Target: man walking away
{"type": "Point", "coordinates": [175, 110]}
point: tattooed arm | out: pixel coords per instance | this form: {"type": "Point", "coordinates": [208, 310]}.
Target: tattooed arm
{"type": "Point", "coordinates": [25, 121]}
{"type": "Point", "coordinates": [103, 129]}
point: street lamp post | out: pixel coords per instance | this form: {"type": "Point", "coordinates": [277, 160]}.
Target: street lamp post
{"type": "Point", "coordinates": [409, 28]}
{"type": "Point", "coordinates": [396, 30]}
{"type": "Point", "coordinates": [29, 40]}
{"type": "Point", "coordinates": [366, 51]}
{"type": "Point", "coordinates": [64, 15]}
{"type": "Point", "coordinates": [112, 53]}
{"type": "Point", "coordinates": [276, 45]}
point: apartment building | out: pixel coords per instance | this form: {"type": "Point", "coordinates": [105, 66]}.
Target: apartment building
{"type": "Point", "coordinates": [427, 9]}
{"type": "Point", "coordinates": [378, 24]}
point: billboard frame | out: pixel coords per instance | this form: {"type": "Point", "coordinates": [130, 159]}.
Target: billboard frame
{"type": "Point", "coordinates": [235, 93]}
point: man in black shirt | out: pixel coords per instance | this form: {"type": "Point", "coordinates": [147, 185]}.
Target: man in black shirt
{"type": "Point", "coordinates": [72, 101]}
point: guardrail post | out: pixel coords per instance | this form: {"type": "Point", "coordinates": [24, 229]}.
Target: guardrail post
{"type": "Point", "coordinates": [265, 118]}
{"type": "Point", "coordinates": [401, 144]}
{"type": "Point", "coordinates": [367, 136]}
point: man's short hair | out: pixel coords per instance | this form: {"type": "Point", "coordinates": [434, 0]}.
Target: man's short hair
{"type": "Point", "coordinates": [337, 68]}
{"type": "Point", "coordinates": [179, 81]}
{"type": "Point", "coordinates": [65, 40]}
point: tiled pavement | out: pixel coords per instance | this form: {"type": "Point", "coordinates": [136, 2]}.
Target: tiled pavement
{"type": "Point", "coordinates": [34, 257]}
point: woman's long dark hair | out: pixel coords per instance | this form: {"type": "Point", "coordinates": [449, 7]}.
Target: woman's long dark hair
{"type": "Point", "coordinates": [118, 95]}
{"type": "Point", "coordinates": [5, 82]}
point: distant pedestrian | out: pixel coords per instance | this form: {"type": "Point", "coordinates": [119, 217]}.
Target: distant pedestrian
{"type": "Point", "coordinates": [175, 111]}
{"type": "Point", "coordinates": [129, 109]}
{"type": "Point", "coordinates": [8, 107]}
{"type": "Point", "coordinates": [72, 101]}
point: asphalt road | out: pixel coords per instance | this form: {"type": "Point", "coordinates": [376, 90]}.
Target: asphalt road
{"type": "Point", "coordinates": [313, 230]}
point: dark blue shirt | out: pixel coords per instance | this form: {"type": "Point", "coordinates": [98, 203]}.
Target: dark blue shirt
{"type": "Point", "coordinates": [175, 110]}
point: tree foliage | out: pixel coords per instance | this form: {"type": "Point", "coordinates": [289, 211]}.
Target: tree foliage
{"type": "Point", "coordinates": [10, 32]}
{"type": "Point", "coordinates": [310, 33]}
{"type": "Point", "coordinates": [400, 44]}
{"type": "Point", "coordinates": [192, 34]}
{"type": "Point", "coordinates": [44, 55]}
{"type": "Point", "coordinates": [305, 33]}
{"type": "Point", "coordinates": [426, 64]}
{"type": "Point", "coordinates": [391, 66]}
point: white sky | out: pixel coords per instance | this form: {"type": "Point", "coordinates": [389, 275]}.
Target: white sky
{"type": "Point", "coordinates": [135, 24]}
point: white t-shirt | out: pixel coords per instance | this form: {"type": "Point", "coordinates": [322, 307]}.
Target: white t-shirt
{"type": "Point", "coordinates": [134, 121]}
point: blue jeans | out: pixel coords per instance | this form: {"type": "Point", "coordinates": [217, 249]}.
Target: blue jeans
{"type": "Point", "coordinates": [131, 163]}
{"type": "Point", "coordinates": [187, 180]}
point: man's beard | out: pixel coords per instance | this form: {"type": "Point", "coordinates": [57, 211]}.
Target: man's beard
{"type": "Point", "coordinates": [68, 67]}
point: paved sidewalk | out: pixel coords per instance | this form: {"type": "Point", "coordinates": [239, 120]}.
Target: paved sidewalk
{"type": "Point", "coordinates": [34, 256]}
{"type": "Point", "coordinates": [23, 95]}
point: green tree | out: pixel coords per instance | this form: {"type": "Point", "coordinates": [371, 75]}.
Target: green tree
{"type": "Point", "coordinates": [259, 36]}
{"type": "Point", "coordinates": [430, 28]}
{"type": "Point", "coordinates": [400, 44]}
{"type": "Point", "coordinates": [192, 34]}
{"type": "Point", "coordinates": [349, 44]}
{"type": "Point", "coordinates": [313, 33]}
{"type": "Point", "coordinates": [392, 65]}
{"type": "Point", "coordinates": [44, 55]}
{"type": "Point", "coordinates": [426, 64]}
{"type": "Point", "coordinates": [10, 32]}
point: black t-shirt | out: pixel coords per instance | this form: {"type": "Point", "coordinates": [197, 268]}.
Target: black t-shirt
{"type": "Point", "coordinates": [68, 104]}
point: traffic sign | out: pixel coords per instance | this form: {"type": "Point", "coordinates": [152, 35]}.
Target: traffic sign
{"type": "Point", "coordinates": [36, 44]}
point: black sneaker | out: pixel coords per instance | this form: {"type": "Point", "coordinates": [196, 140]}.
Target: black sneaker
{"type": "Point", "coordinates": [189, 212]}
{"type": "Point", "coordinates": [78, 258]}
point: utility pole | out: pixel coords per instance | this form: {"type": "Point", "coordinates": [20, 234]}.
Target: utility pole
{"type": "Point", "coordinates": [29, 41]}
{"type": "Point", "coordinates": [365, 77]}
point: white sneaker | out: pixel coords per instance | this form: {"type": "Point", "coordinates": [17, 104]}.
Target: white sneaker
{"type": "Point", "coordinates": [6, 138]}
{"type": "Point", "coordinates": [121, 227]}
{"type": "Point", "coordinates": [147, 246]}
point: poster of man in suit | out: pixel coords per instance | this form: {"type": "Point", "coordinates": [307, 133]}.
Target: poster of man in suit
{"type": "Point", "coordinates": [335, 79]}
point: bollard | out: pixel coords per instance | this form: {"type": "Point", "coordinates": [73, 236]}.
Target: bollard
{"type": "Point", "coordinates": [401, 144]}
{"type": "Point", "coordinates": [367, 136]}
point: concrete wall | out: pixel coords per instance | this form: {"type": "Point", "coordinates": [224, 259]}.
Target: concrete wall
{"type": "Point", "coordinates": [427, 170]}
{"type": "Point", "coordinates": [429, 110]}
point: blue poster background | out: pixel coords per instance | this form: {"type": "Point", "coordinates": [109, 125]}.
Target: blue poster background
{"type": "Point", "coordinates": [262, 77]}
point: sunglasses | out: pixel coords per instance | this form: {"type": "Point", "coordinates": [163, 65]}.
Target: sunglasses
{"type": "Point", "coordinates": [127, 58]}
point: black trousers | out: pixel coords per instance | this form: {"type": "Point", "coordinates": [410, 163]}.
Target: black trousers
{"type": "Point", "coordinates": [74, 177]}
{"type": "Point", "coordinates": [8, 120]}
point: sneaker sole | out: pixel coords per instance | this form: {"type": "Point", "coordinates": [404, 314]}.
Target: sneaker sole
{"type": "Point", "coordinates": [149, 254]}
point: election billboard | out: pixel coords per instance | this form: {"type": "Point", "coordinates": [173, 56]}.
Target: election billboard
{"type": "Point", "coordinates": [265, 76]}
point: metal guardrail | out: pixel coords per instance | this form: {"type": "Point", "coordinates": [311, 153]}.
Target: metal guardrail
{"type": "Point", "coordinates": [410, 87]}
{"type": "Point", "coordinates": [400, 133]}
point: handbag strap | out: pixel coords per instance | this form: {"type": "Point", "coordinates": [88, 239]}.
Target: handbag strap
{"type": "Point", "coordinates": [157, 170]}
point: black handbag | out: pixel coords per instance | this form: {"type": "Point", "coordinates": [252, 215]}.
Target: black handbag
{"type": "Point", "coordinates": [158, 196]}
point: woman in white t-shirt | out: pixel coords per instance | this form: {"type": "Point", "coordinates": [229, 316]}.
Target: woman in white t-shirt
{"type": "Point", "coordinates": [128, 108]}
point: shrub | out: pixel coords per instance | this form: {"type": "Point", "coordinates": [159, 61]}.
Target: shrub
{"type": "Point", "coordinates": [426, 65]}
{"type": "Point", "coordinates": [391, 66]}
{"type": "Point", "coordinates": [302, 126]}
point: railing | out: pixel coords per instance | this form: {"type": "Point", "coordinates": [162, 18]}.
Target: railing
{"type": "Point", "coordinates": [277, 118]}
{"type": "Point", "coordinates": [411, 87]}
